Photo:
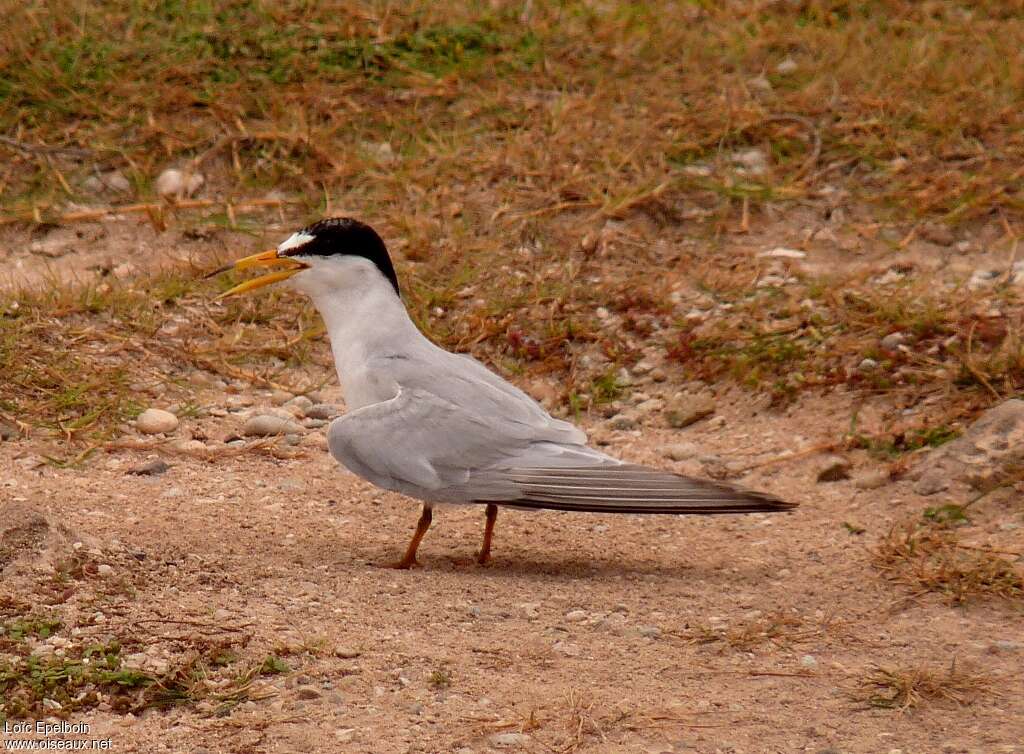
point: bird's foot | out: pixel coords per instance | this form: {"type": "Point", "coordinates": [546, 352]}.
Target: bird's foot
{"type": "Point", "coordinates": [405, 564]}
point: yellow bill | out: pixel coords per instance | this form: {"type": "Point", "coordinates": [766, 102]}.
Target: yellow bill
{"type": "Point", "coordinates": [264, 259]}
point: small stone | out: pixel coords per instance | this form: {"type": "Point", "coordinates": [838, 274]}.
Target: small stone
{"type": "Point", "coordinates": [189, 446]}
{"type": "Point", "coordinates": [323, 411]}
{"type": "Point", "coordinates": [621, 422]}
{"type": "Point", "coordinates": [867, 365]}
{"type": "Point", "coordinates": [836, 469]}
{"type": "Point", "coordinates": [280, 397]}
{"type": "Point", "coordinates": [893, 341]}
{"type": "Point", "coordinates": [681, 451]}
{"type": "Point", "coordinates": [176, 184]}
{"type": "Point", "coordinates": [781, 252]}
{"type": "Point", "coordinates": [239, 401]}
{"type": "Point", "coordinates": [568, 649]}
{"type": "Point", "coordinates": [308, 692]}
{"type": "Point", "coordinates": [786, 67]}
{"type": "Point", "coordinates": [576, 616]}
{"type": "Point", "coordinates": [871, 480]}
{"type": "Point", "coordinates": [264, 425]}
{"type": "Point", "coordinates": [346, 653]}
{"type": "Point", "coordinates": [313, 423]}
{"type": "Point", "coordinates": [345, 735]}
{"type": "Point", "coordinates": [760, 84]}
{"type": "Point", "coordinates": [650, 632]}
{"type": "Point", "coordinates": [932, 482]}
{"type": "Point", "coordinates": [751, 161]}
{"type": "Point", "coordinates": [104, 570]}
{"type": "Point", "coordinates": [301, 404]}
{"type": "Point", "coordinates": [685, 410]}
{"type": "Point", "coordinates": [658, 374]}
{"type": "Point", "coordinates": [155, 421]}
{"type": "Point", "coordinates": [507, 740]}
{"type": "Point", "coordinates": [150, 468]}
{"type": "Point", "coordinates": [809, 661]}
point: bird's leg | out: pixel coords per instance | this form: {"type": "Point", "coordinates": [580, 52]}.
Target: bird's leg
{"type": "Point", "coordinates": [485, 549]}
{"type": "Point", "coordinates": [409, 559]}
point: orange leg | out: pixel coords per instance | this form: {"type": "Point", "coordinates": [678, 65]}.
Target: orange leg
{"type": "Point", "coordinates": [409, 559]}
{"type": "Point", "coordinates": [485, 550]}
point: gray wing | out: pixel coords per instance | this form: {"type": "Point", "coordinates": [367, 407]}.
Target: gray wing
{"type": "Point", "coordinates": [428, 447]}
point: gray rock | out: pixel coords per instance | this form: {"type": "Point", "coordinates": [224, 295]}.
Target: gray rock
{"type": "Point", "coordinates": [681, 451]}
{"type": "Point", "coordinates": [932, 482]}
{"type": "Point", "coordinates": [154, 467]}
{"type": "Point", "coordinates": [265, 425]}
{"type": "Point", "coordinates": [280, 397]}
{"type": "Point", "coordinates": [323, 411]}
{"type": "Point", "coordinates": [300, 405]}
{"type": "Point", "coordinates": [809, 661]}
{"type": "Point", "coordinates": [313, 423]}
{"type": "Point", "coordinates": [576, 616]}
{"type": "Point", "coordinates": [621, 422]}
{"type": "Point", "coordinates": [176, 184]}
{"type": "Point", "coordinates": [988, 451]}
{"type": "Point", "coordinates": [308, 692]}
{"type": "Point", "coordinates": [892, 341]}
{"type": "Point", "coordinates": [836, 469]}
{"type": "Point", "coordinates": [155, 421]}
{"type": "Point", "coordinates": [871, 480]}
{"type": "Point", "coordinates": [867, 365]}
{"type": "Point", "coordinates": [684, 410]}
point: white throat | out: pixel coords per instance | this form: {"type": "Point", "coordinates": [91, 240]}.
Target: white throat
{"type": "Point", "coordinates": [365, 320]}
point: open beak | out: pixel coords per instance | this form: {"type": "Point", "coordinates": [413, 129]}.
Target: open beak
{"type": "Point", "coordinates": [265, 259]}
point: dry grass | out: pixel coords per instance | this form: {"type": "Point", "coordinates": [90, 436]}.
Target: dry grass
{"type": "Point", "coordinates": [496, 147]}
{"type": "Point", "coordinates": [775, 629]}
{"type": "Point", "coordinates": [930, 557]}
{"type": "Point", "coordinates": [904, 688]}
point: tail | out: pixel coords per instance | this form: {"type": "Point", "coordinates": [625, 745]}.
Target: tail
{"type": "Point", "coordinates": [626, 488]}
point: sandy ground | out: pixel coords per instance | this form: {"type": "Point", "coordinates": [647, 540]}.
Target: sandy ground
{"type": "Point", "coordinates": [582, 635]}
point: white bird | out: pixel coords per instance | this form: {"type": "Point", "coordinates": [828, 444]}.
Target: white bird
{"type": "Point", "coordinates": [441, 427]}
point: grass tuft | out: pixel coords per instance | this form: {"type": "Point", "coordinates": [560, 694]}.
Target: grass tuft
{"type": "Point", "coordinates": [905, 688]}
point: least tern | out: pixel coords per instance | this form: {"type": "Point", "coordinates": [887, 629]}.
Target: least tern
{"type": "Point", "coordinates": [441, 427]}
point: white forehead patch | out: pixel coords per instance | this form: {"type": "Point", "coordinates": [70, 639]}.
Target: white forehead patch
{"type": "Point", "coordinates": [294, 241]}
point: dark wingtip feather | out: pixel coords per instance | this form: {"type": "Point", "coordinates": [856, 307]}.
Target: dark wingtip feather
{"type": "Point", "coordinates": [635, 489]}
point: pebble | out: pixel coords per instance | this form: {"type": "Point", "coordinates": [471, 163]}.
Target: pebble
{"type": "Point", "coordinates": [346, 653]}
{"type": "Point", "coordinates": [809, 661]}
{"type": "Point", "coordinates": [781, 252]}
{"type": "Point", "coordinates": [308, 692]}
{"type": "Point", "coordinates": [154, 467]}
{"type": "Point", "coordinates": [650, 632]}
{"type": "Point", "coordinates": [313, 423]}
{"type": "Point", "coordinates": [189, 446]}
{"type": "Point", "coordinates": [836, 469]}
{"type": "Point", "coordinates": [104, 570]}
{"type": "Point", "coordinates": [752, 161]}
{"type": "Point", "coordinates": [509, 739]}
{"type": "Point", "coordinates": [301, 404]}
{"type": "Point", "coordinates": [684, 410]}
{"type": "Point", "coordinates": [345, 735]}
{"type": "Point", "coordinates": [658, 374]}
{"type": "Point", "coordinates": [621, 422]}
{"type": "Point", "coordinates": [111, 181]}
{"type": "Point", "coordinates": [239, 401]}
{"type": "Point", "coordinates": [892, 341]}
{"type": "Point", "coordinates": [174, 183]}
{"type": "Point", "coordinates": [871, 480]}
{"type": "Point", "coordinates": [155, 421]}
{"type": "Point", "coordinates": [932, 482]}
{"type": "Point", "coordinates": [867, 365]}
{"type": "Point", "coordinates": [264, 425]}
{"type": "Point", "coordinates": [576, 616]}
{"type": "Point", "coordinates": [323, 411]}
{"type": "Point", "coordinates": [280, 397]}
{"type": "Point", "coordinates": [786, 67]}
{"type": "Point", "coordinates": [680, 451]}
